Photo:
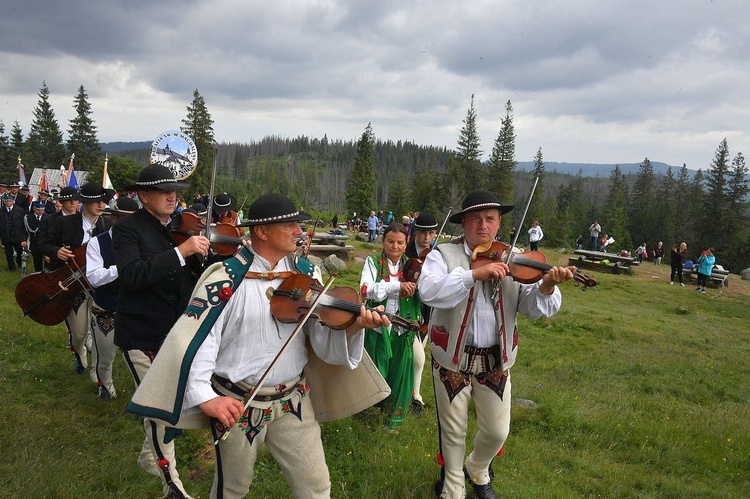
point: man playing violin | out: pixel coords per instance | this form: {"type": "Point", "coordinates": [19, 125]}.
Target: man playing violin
{"type": "Point", "coordinates": [243, 342]}
{"type": "Point", "coordinates": [65, 234]}
{"type": "Point", "coordinates": [473, 341]}
{"type": "Point", "coordinates": [154, 288]}
{"type": "Point", "coordinates": [425, 231]}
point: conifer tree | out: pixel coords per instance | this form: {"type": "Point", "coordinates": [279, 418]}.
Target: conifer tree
{"type": "Point", "coordinates": [665, 213]}
{"type": "Point", "coordinates": [82, 138]}
{"type": "Point", "coordinates": [199, 126]}
{"type": "Point", "coordinates": [469, 153]}
{"type": "Point", "coordinates": [7, 161]}
{"type": "Point", "coordinates": [738, 255]}
{"type": "Point", "coordinates": [536, 208]}
{"type": "Point", "coordinates": [715, 216]}
{"type": "Point", "coordinates": [360, 192]}
{"type": "Point", "coordinates": [399, 197]}
{"type": "Point", "coordinates": [16, 141]}
{"type": "Point", "coordinates": [642, 203]}
{"type": "Point", "coordinates": [44, 145]}
{"type": "Point", "coordinates": [502, 164]}
{"type": "Point", "coordinates": [615, 221]}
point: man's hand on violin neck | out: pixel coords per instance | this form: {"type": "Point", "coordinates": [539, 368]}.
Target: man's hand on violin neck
{"type": "Point", "coordinates": [555, 275]}
{"type": "Point", "coordinates": [368, 319]}
{"type": "Point", "coordinates": [494, 271]}
{"type": "Point", "coordinates": [195, 245]}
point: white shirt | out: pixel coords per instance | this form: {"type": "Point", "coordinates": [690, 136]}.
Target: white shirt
{"type": "Point", "coordinates": [443, 290]}
{"type": "Point", "coordinates": [245, 339]}
{"type": "Point", "coordinates": [96, 273]}
{"type": "Point", "coordinates": [379, 291]}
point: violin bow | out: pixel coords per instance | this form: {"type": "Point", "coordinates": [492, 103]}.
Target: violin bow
{"type": "Point", "coordinates": [210, 207]}
{"type": "Point", "coordinates": [259, 384]}
{"type": "Point", "coordinates": [434, 241]}
{"type": "Point", "coordinates": [496, 289]}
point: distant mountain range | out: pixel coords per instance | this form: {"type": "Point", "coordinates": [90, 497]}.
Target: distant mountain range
{"type": "Point", "coordinates": [601, 170]}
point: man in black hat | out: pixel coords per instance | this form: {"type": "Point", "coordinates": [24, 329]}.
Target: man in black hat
{"type": "Point", "coordinates": [66, 234]}
{"type": "Point", "coordinates": [243, 342]}
{"type": "Point", "coordinates": [21, 199]}
{"type": "Point", "coordinates": [12, 231]}
{"type": "Point", "coordinates": [32, 221]}
{"type": "Point", "coordinates": [224, 209]}
{"type": "Point", "coordinates": [474, 339]}
{"type": "Point", "coordinates": [45, 197]}
{"type": "Point", "coordinates": [101, 273]}
{"type": "Point", "coordinates": [420, 243]}
{"type": "Point", "coordinates": [154, 289]}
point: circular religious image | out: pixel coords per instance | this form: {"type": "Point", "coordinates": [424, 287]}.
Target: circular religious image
{"type": "Point", "coordinates": [176, 151]}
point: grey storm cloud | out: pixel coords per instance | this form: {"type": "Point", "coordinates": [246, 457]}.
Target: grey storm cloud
{"type": "Point", "coordinates": [589, 80]}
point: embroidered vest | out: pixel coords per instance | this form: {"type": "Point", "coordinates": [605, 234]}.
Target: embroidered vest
{"type": "Point", "coordinates": [447, 328]}
{"type": "Point", "coordinates": [106, 296]}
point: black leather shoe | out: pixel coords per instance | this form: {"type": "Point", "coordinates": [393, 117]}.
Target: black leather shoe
{"type": "Point", "coordinates": [481, 491]}
{"type": "Point", "coordinates": [418, 408]}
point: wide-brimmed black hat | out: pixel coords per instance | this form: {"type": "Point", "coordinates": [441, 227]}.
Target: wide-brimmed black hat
{"type": "Point", "coordinates": [479, 200]}
{"type": "Point", "coordinates": [124, 206]}
{"type": "Point", "coordinates": [92, 192]}
{"type": "Point", "coordinates": [15, 184]}
{"type": "Point", "coordinates": [44, 193]}
{"type": "Point", "coordinates": [425, 221]}
{"type": "Point", "coordinates": [196, 209]}
{"type": "Point", "coordinates": [67, 193]}
{"type": "Point", "coordinates": [157, 176]}
{"type": "Point", "coordinates": [225, 202]}
{"type": "Point", "coordinates": [271, 209]}
{"type": "Point", "coordinates": [25, 188]}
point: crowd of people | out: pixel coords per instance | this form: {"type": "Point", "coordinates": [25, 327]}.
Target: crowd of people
{"type": "Point", "coordinates": [203, 337]}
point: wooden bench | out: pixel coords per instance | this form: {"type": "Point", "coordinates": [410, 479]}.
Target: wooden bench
{"type": "Point", "coordinates": [719, 278]}
{"type": "Point", "coordinates": [596, 256]}
{"type": "Point", "coordinates": [597, 265]}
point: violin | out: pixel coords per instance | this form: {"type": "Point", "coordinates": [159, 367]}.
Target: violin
{"type": "Point", "coordinates": [413, 267]}
{"type": "Point", "coordinates": [48, 297]}
{"type": "Point", "coordinates": [224, 238]}
{"type": "Point", "coordinates": [526, 268]}
{"type": "Point", "coordinates": [337, 309]}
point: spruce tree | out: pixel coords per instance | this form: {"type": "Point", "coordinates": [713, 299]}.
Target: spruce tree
{"type": "Point", "coordinates": [469, 153]}
{"type": "Point", "coordinates": [502, 164]}
{"type": "Point", "coordinates": [44, 145]}
{"type": "Point", "coordinates": [666, 211]}
{"type": "Point", "coordinates": [200, 127]}
{"type": "Point", "coordinates": [7, 161]}
{"type": "Point", "coordinates": [738, 254]}
{"type": "Point", "coordinates": [536, 208]}
{"type": "Point", "coordinates": [642, 202]}
{"type": "Point", "coordinates": [360, 192]}
{"type": "Point", "coordinates": [82, 138]}
{"type": "Point", "coordinates": [615, 220]}
{"type": "Point", "coordinates": [715, 216]}
{"type": "Point", "coordinates": [16, 141]}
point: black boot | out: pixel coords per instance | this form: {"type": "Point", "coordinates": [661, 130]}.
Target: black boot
{"type": "Point", "coordinates": [482, 491]}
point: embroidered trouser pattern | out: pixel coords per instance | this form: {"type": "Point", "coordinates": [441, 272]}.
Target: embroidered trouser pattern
{"type": "Point", "coordinates": [139, 362]}
{"type": "Point", "coordinates": [103, 329]}
{"type": "Point", "coordinates": [491, 392]}
{"type": "Point", "coordinates": [78, 322]}
{"type": "Point", "coordinates": [289, 429]}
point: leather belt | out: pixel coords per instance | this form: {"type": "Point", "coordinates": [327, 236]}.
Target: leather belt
{"type": "Point", "coordinates": [269, 276]}
{"type": "Point", "coordinates": [281, 390]}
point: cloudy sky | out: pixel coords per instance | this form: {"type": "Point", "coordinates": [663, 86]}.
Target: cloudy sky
{"type": "Point", "coordinates": [590, 81]}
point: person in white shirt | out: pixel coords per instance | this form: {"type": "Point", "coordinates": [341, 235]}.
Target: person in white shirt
{"type": "Point", "coordinates": [473, 341]}
{"type": "Point", "coordinates": [101, 273]}
{"type": "Point", "coordinates": [535, 235]}
{"type": "Point", "coordinates": [242, 343]}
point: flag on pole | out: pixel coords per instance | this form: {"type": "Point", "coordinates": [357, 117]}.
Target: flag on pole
{"type": "Point", "coordinates": [72, 181]}
{"type": "Point", "coordinates": [63, 177]}
{"type": "Point", "coordinates": [21, 173]}
{"type": "Point", "coordinates": [43, 184]}
{"type": "Point", "coordinates": [106, 182]}
{"type": "Point", "coordinates": [70, 165]}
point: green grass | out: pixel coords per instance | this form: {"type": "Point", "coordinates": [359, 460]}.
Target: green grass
{"type": "Point", "coordinates": [643, 391]}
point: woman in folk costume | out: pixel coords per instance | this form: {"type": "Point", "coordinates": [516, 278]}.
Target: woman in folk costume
{"type": "Point", "coordinates": [391, 347]}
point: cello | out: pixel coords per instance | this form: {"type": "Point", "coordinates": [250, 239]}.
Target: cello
{"type": "Point", "coordinates": [47, 297]}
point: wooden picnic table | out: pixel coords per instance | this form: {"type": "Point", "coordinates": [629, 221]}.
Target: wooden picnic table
{"type": "Point", "coordinates": [601, 261]}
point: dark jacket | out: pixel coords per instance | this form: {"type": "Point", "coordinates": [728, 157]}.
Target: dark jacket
{"type": "Point", "coordinates": [154, 287]}
{"type": "Point", "coordinates": [68, 231]}
{"type": "Point", "coordinates": [31, 224]}
{"type": "Point", "coordinates": [12, 230]}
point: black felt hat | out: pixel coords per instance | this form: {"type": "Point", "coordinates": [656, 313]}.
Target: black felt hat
{"type": "Point", "coordinates": [125, 206]}
{"type": "Point", "coordinates": [157, 176]}
{"type": "Point", "coordinates": [225, 202]}
{"type": "Point", "coordinates": [197, 209]}
{"type": "Point", "coordinates": [44, 193]}
{"type": "Point", "coordinates": [479, 200]}
{"type": "Point", "coordinates": [67, 193]}
{"type": "Point", "coordinates": [92, 192]}
{"type": "Point", "coordinates": [425, 221]}
{"type": "Point", "coordinates": [271, 209]}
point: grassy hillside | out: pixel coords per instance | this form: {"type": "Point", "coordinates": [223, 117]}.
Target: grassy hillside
{"type": "Point", "coordinates": [642, 391]}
